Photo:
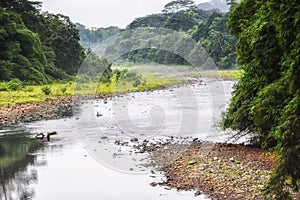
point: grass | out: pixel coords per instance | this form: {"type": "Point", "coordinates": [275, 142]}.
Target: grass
{"type": "Point", "coordinates": [38, 94]}
{"type": "Point", "coordinates": [224, 74]}
{"type": "Point", "coordinates": [150, 80]}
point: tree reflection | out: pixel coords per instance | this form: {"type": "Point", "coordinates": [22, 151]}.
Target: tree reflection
{"type": "Point", "coordinates": [17, 166]}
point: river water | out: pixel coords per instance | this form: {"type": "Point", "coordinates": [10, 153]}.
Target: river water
{"type": "Point", "coordinates": [83, 161]}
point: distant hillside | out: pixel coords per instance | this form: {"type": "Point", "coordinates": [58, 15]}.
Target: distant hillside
{"type": "Point", "coordinates": [207, 28]}
{"type": "Point", "coordinates": [88, 37]}
{"type": "Point", "coordinates": [215, 4]}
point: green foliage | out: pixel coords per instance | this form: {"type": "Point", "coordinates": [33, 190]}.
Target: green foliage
{"type": "Point", "coordinates": [28, 88]}
{"type": "Point", "coordinates": [46, 90]}
{"type": "Point", "coordinates": [95, 69]}
{"type": "Point", "coordinates": [215, 37]}
{"type": "Point", "coordinates": [21, 52]}
{"type": "Point", "coordinates": [36, 47]}
{"type": "Point", "coordinates": [175, 6]}
{"type": "Point", "coordinates": [205, 27]}
{"type": "Point", "coordinates": [232, 4]}
{"type": "Point", "coordinates": [3, 86]}
{"type": "Point", "coordinates": [125, 76]}
{"type": "Point", "coordinates": [88, 37]}
{"type": "Point", "coordinates": [63, 89]}
{"type": "Point", "coordinates": [266, 101]}
{"type": "Point", "coordinates": [14, 84]}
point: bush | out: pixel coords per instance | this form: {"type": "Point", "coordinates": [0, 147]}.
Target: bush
{"type": "Point", "coordinates": [28, 89]}
{"type": "Point", "coordinates": [3, 86]}
{"type": "Point", "coordinates": [14, 84]}
{"type": "Point", "coordinates": [46, 90]}
{"type": "Point", "coordinates": [63, 89]}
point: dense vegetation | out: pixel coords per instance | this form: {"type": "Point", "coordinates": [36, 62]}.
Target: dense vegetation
{"type": "Point", "coordinates": [266, 101]}
{"type": "Point", "coordinates": [89, 37]}
{"type": "Point", "coordinates": [208, 28]}
{"type": "Point", "coordinates": [36, 47]}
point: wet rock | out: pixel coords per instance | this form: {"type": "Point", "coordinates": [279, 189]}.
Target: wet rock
{"type": "Point", "coordinates": [99, 114]}
{"type": "Point", "coordinates": [153, 184]}
{"type": "Point", "coordinates": [134, 140]}
{"type": "Point", "coordinates": [197, 193]}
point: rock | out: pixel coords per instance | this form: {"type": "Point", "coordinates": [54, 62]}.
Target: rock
{"type": "Point", "coordinates": [198, 193]}
{"type": "Point", "coordinates": [192, 162]}
{"type": "Point", "coordinates": [153, 184]}
{"type": "Point", "coordinates": [99, 114]}
{"type": "Point", "coordinates": [134, 140]}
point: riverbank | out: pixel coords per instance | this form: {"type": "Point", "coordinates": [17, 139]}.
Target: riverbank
{"type": "Point", "coordinates": [228, 171]}
{"type": "Point", "coordinates": [38, 106]}
{"type": "Point", "coordinates": [28, 112]}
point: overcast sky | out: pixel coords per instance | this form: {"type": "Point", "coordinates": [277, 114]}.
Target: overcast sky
{"type": "Point", "coordinates": [104, 13]}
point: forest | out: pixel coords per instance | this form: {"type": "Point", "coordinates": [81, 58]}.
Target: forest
{"type": "Point", "coordinates": [207, 28]}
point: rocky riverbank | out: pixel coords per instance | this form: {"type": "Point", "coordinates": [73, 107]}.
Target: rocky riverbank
{"type": "Point", "coordinates": [228, 171]}
{"type": "Point", "coordinates": [221, 171]}
{"type": "Point", "coordinates": [28, 112]}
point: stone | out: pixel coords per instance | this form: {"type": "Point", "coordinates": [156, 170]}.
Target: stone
{"type": "Point", "coordinates": [134, 140]}
{"type": "Point", "coordinates": [153, 184]}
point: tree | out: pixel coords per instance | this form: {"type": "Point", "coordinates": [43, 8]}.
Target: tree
{"type": "Point", "coordinates": [177, 5]}
{"type": "Point", "coordinates": [21, 52]}
{"type": "Point", "coordinates": [53, 38]}
{"type": "Point", "coordinates": [266, 101]}
{"type": "Point", "coordinates": [231, 4]}
{"type": "Point", "coordinates": [62, 36]}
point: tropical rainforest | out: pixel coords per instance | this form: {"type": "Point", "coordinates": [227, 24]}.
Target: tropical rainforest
{"type": "Point", "coordinates": [262, 37]}
{"type": "Point", "coordinates": [207, 28]}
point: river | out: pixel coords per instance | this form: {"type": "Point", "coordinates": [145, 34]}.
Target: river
{"type": "Point", "coordinates": [83, 160]}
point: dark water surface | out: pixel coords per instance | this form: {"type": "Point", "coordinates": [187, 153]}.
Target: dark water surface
{"type": "Point", "coordinates": [82, 161]}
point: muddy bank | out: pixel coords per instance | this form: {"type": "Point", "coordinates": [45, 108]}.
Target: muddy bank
{"type": "Point", "coordinates": [28, 112]}
{"type": "Point", "coordinates": [228, 171]}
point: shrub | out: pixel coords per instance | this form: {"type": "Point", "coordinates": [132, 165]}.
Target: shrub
{"type": "Point", "coordinates": [63, 89]}
{"type": "Point", "coordinates": [3, 86]}
{"type": "Point", "coordinates": [14, 84]}
{"type": "Point", "coordinates": [28, 89]}
{"type": "Point", "coordinates": [46, 90]}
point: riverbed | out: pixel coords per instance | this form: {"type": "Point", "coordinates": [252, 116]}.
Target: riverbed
{"type": "Point", "coordinates": [94, 154]}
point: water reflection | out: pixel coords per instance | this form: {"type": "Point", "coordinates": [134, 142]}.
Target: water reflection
{"type": "Point", "coordinates": [17, 159]}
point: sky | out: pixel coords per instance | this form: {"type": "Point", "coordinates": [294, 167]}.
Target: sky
{"type": "Point", "coordinates": [104, 13]}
